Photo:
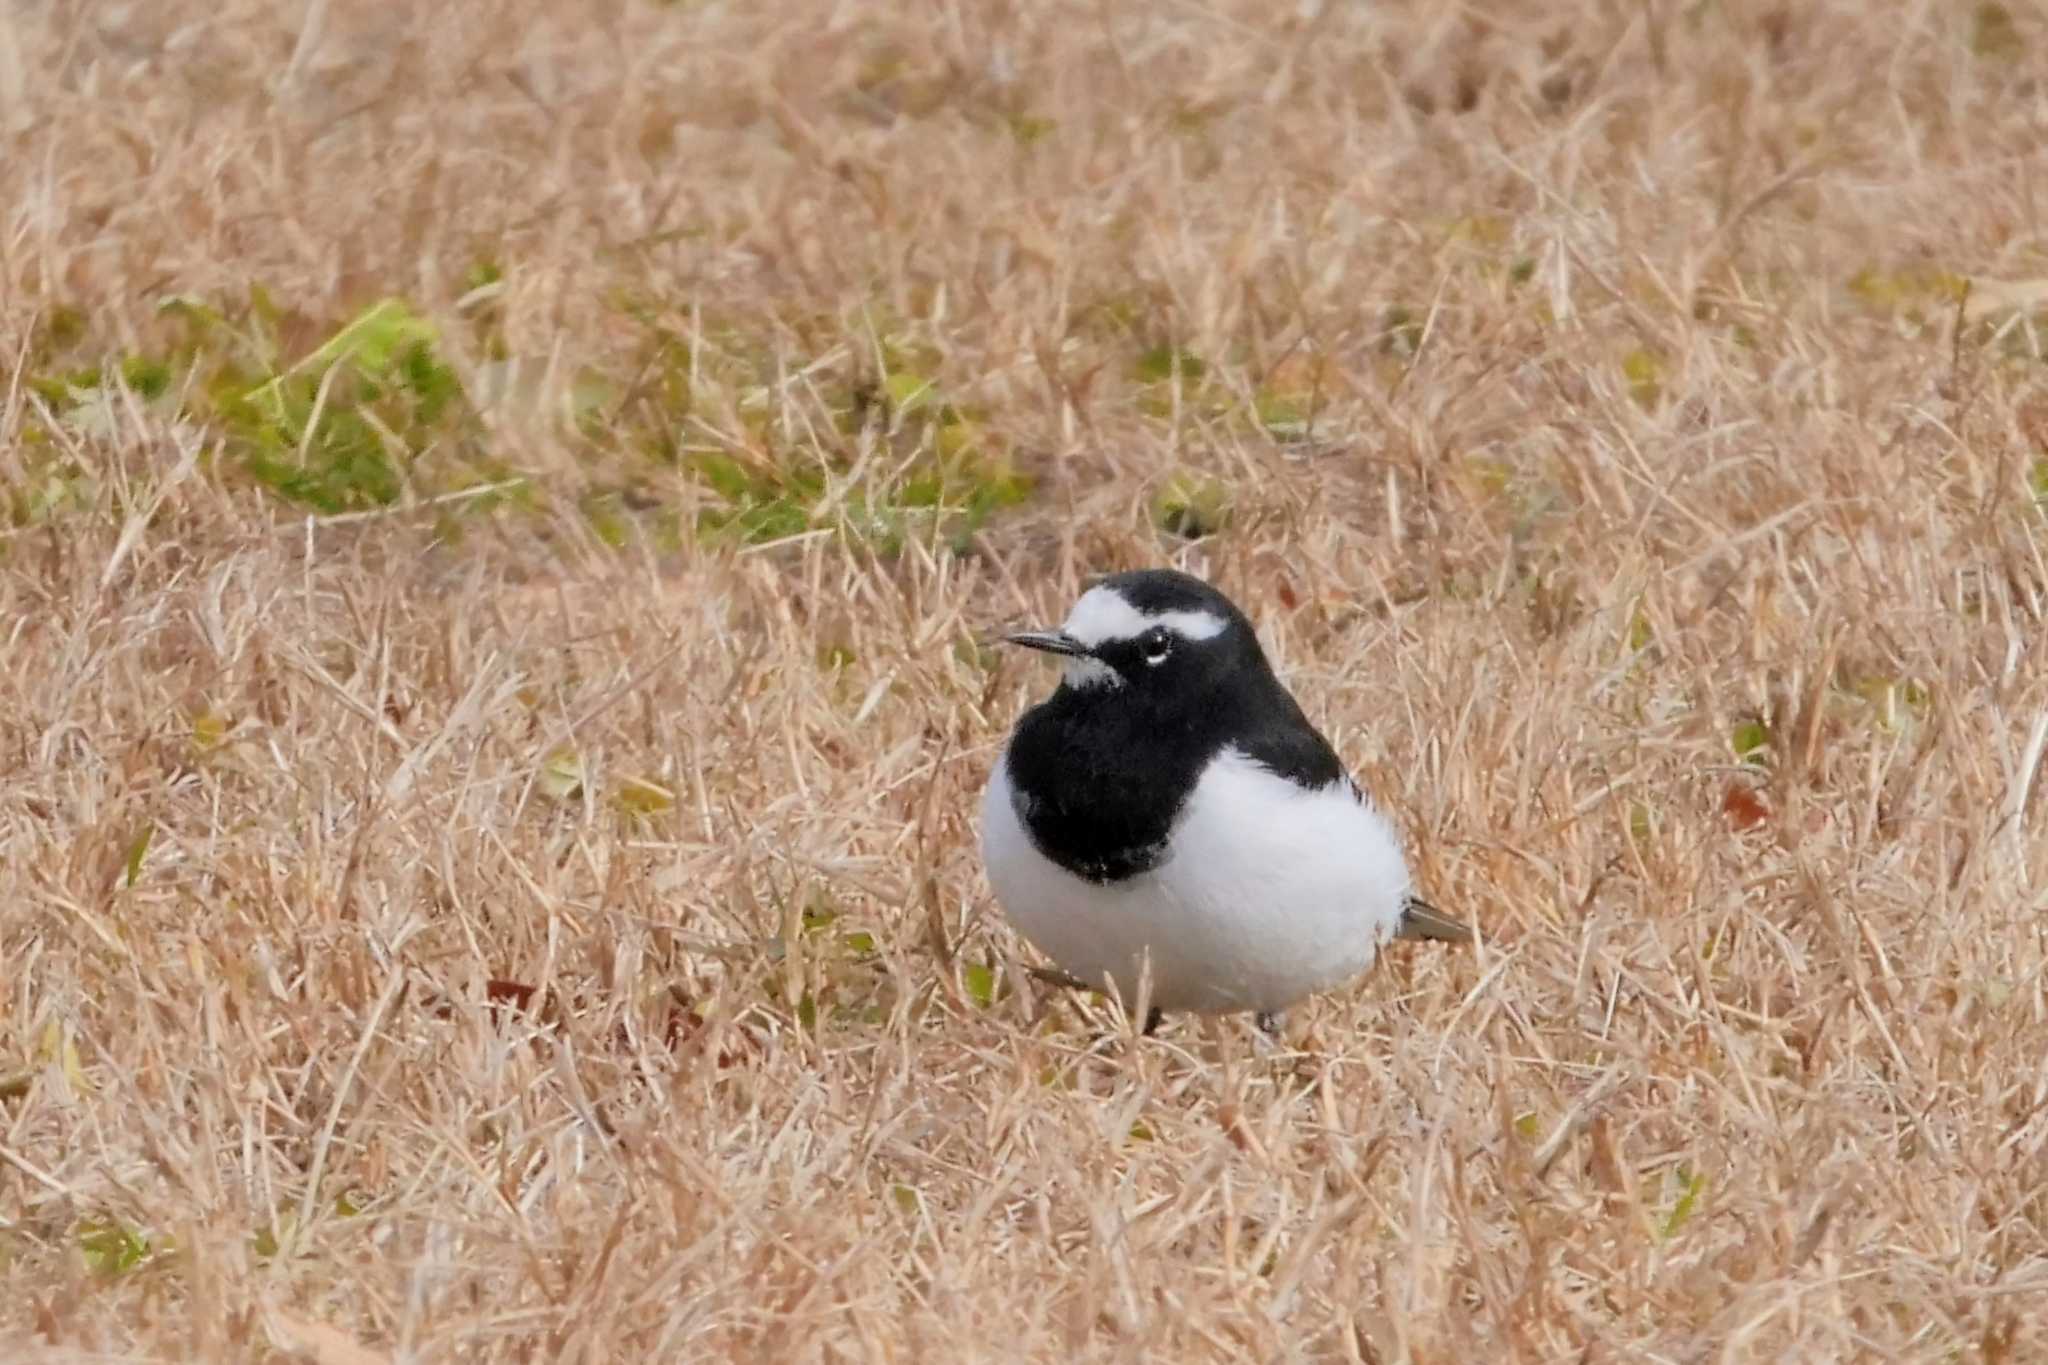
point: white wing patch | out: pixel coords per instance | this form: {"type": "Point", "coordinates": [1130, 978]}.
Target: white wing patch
{"type": "Point", "coordinates": [1104, 614]}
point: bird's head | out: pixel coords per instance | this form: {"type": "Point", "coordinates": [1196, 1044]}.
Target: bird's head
{"type": "Point", "coordinates": [1155, 633]}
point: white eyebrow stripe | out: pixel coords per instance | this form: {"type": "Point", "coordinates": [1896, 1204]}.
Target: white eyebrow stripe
{"type": "Point", "coordinates": [1104, 614]}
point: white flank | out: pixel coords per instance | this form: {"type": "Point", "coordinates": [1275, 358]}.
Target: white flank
{"type": "Point", "coordinates": [1272, 892]}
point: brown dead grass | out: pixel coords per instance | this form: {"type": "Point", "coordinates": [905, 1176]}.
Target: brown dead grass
{"type": "Point", "coordinates": [1644, 410]}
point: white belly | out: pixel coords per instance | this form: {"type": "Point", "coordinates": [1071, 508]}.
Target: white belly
{"type": "Point", "coordinates": [1269, 893]}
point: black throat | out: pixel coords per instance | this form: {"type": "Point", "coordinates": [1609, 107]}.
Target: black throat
{"type": "Point", "coordinates": [1100, 775]}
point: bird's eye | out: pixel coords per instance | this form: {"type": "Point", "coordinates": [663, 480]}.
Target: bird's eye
{"type": "Point", "coordinates": [1158, 644]}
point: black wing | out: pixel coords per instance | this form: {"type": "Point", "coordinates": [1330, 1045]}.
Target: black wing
{"type": "Point", "coordinates": [1284, 742]}
{"type": "Point", "coordinates": [1421, 920]}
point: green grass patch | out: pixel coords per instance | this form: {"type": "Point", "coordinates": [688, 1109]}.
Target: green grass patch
{"type": "Point", "coordinates": [369, 413]}
{"type": "Point", "coordinates": [369, 409]}
{"type": "Point", "coordinates": [111, 1249]}
{"type": "Point", "coordinates": [931, 469]}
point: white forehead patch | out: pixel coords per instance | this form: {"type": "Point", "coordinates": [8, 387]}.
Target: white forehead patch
{"type": "Point", "coordinates": [1104, 614]}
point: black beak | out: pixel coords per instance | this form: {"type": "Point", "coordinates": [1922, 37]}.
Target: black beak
{"type": "Point", "coordinates": [1051, 641]}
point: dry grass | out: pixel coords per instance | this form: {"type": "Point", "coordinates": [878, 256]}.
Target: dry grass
{"type": "Point", "coordinates": [1595, 394]}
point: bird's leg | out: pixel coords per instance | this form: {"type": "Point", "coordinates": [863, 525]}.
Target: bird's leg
{"type": "Point", "coordinates": [1154, 1017]}
{"type": "Point", "coordinates": [1052, 976]}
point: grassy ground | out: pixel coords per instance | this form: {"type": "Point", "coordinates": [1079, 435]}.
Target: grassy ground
{"type": "Point", "coordinates": [502, 506]}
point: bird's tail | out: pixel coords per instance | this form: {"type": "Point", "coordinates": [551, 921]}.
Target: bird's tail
{"type": "Point", "coordinates": [1420, 919]}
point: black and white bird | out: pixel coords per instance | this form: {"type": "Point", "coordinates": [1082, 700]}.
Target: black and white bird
{"type": "Point", "coordinates": [1169, 808]}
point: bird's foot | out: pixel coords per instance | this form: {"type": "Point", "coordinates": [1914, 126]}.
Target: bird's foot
{"type": "Point", "coordinates": [1269, 1040]}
